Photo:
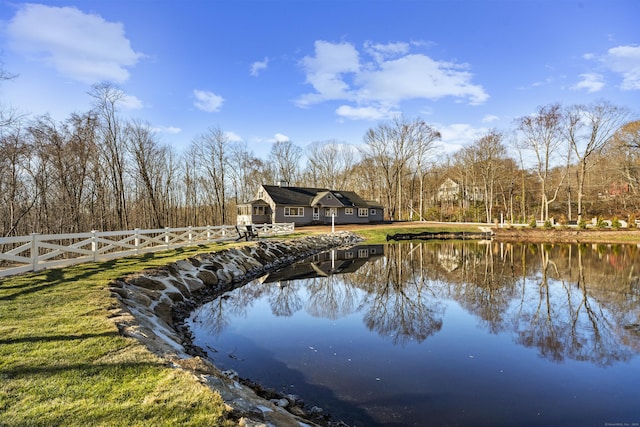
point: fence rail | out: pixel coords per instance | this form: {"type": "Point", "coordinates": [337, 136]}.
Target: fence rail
{"type": "Point", "coordinates": [40, 251]}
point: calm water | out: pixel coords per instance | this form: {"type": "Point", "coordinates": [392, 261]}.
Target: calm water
{"type": "Point", "coordinates": [443, 333]}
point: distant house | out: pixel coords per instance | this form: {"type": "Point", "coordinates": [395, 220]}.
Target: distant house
{"type": "Point", "coordinates": [307, 206]}
{"type": "Point", "coordinates": [450, 191]}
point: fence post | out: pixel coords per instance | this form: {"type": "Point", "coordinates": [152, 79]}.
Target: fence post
{"type": "Point", "coordinates": [34, 251]}
{"type": "Point", "coordinates": [166, 236]}
{"type": "Point", "coordinates": [190, 233]}
{"type": "Point", "coordinates": [208, 233]}
{"type": "Point", "coordinates": [94, 245]}
{"type": "Point", "coordinates": [136, 241]}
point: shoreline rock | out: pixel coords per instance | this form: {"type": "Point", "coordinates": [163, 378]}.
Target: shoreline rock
{"type": "Point", "coordinates": [155, 303]}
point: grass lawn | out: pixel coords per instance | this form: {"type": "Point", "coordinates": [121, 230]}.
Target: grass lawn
{"type": "Point", "coordinates": [63, 362]}
{"type": "Point", "coordinates": [379, 233]}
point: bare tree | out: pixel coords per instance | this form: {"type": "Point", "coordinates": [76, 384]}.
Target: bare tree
{"type": "Point", "coordinates": [542, 134]}
{"type": "Point", "coordinates": [149, 167]}
{"type": "Point", "coordinates": [106, 98]}
{"type": "Point", "coordinates": [424, 138]}
{"type": "Point", "coordinates": [629, 134]}
{"type": "Point", "coordinates": [328, 163]}
{"type": "Point", "coordinates": [212, 148]}
{"type": "Point", "coordinates": [588, 129]}
{"type": "Point", "coordinates": [191, 201]}
{"type": "Point", "coordinates": [392, 147]}
{"type": "Point", "coordinates": [286, 156]}
{"type": "Point", "coordinates": [18, 194]}
{"type": "Point", "coordinates": [246, 172]}
{"type": "Point", "coordinates": [489, 152]}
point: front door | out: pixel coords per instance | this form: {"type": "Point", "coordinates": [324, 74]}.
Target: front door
{"type": "Point", "coordinates": [316, 214]}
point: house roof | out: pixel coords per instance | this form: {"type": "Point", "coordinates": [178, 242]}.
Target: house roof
{"type": "Point", "coordinates": [307, 196]}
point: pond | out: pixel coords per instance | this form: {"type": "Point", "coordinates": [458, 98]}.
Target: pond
{"type": "Point", "coordinates": [442, 333]}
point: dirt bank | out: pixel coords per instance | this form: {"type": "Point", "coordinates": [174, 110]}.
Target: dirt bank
{"type": "Point", "coordinates": [572, 235]}
{"type": "Point", "coordinates": [513, 234]}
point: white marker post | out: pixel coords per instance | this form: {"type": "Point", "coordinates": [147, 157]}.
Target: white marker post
{"type": "Point", "coordinates": [333, 226]}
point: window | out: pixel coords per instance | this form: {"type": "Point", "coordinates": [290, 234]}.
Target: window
{"type": "Point", "coordinates": [329, 212]}
{"type": "Point", "coordinates": [363, 212]}
{"type": "Point", "coordinates": [372, 212]}
{"type": "Point", "coordinates": [293, 211]}
{"type": "Point", "coordinates": [259, 210]}
{"type": "Point", "coordinates": [348, 255]}
{"type": "Point", "coordinates": [348, 211]}
{"type": "Point", "coordinates": [363, 253]}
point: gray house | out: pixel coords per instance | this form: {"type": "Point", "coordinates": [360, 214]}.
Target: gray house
{"type": "Point", "coordinates": [307, 206]}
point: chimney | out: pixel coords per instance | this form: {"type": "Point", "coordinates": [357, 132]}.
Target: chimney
{"type": "Point", "coordinates": [283, 183]}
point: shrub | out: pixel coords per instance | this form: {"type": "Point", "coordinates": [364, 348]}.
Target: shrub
{"type": "Point", "coordinates": [532, 223]}
{"type": "Point", "coordinates": [632, 221]}
{"type": "Point", "coordinates": [562, 221]}
{"type": "Point", "coordinates": [600, 223]}
{"type": "Point", "coordinates": [615, 223]}
{"type": "Point", "coordinates": [548, 225]}
{"type": "Point", "coordinates": [582, 224]}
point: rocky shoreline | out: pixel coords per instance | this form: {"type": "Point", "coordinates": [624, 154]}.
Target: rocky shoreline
{"type": "Point", "coordinates": [155, 303]}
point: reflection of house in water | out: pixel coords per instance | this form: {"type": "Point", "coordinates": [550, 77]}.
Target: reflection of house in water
{"type": "Point", "coordinates": [453, 255]}
{"type": "Point", "coordinates": [449, 257]}
{"type": "Point", "coordinates": [324, 264]}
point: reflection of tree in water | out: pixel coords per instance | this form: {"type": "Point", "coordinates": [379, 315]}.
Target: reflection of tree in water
{"type": "Point", "coordinates": [331, 297]}
{"type": "Point", "coordinates": [568, 301]}
{"type": "Point", "coordinates": [401, 303]}
{"type": "Point", "coordinates": [559, 314]}
{"type": "Point", "coordinates": [486, 284]}
{"type": "Point", "coordinates": [212, 316]}
{"type": "Point", "coordinates": [541, 320]}
{"type": "Point", "coordinates": [284, 298]}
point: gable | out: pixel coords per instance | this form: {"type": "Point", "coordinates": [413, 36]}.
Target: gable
{"type": "Point", "coordinates": [326, 199]}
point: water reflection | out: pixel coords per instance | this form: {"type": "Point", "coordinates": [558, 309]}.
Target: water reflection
{"type": "Point", "coordinates": [578, 302]}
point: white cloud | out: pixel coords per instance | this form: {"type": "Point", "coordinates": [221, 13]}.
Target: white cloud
{"type": "Point", "coordinates": [490, 118]}
{"type": "Point", "coordinates": [82, 46]}
{"type": "Point", "coordinates": [325, 71]}
{"type": "Point", "coordinates": [418, 76]}
{"type": "Point", "coordinates": [280, 137]}
{"type": "Point", "coordinates": [380, 52]}
{"type": "Point", "coordinates": [458, 135]}
{"type": "Point", "coordinates": [365, 113]}
{"type": "Point", "coordinates": [626, 61]}
{"type": "Point", "coordinates": [167, 129]}
{"type": "Point", "coordinates": [130, 102]}
{"type": "Point", "coordinates": [233, 137]}
{"type": "Point", "coordinates": [207, 101]}
{"type": "Point", "coordinates": [258, 66]}
{"type": "Point", "coordinates": [592, 82]}
{"type": "Point", "coordinates": [336, 72]}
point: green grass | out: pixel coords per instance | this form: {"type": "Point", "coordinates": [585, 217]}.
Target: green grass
{"type": "Point", "coordinates": [379, 234]}
{"type": "Point", "coordinates": [63, 362]}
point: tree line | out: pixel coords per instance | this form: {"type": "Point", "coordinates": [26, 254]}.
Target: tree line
{"type": "Point", "coordinates": [99, 171]}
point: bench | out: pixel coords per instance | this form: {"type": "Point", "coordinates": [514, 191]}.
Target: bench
{"type": "Point", "coordinates": [247, 233]}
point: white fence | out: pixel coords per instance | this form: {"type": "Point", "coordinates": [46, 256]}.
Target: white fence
{"type": "Point", "coordinates": [40, 251]}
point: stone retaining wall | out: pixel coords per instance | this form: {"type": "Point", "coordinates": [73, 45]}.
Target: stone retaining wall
{"type": "Point", "coordinates": [155, 303]}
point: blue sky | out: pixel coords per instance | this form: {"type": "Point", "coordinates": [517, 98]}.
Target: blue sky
{"type": "Point", "coordinates": [312, 71]}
